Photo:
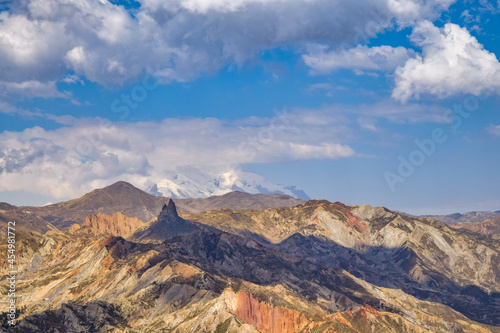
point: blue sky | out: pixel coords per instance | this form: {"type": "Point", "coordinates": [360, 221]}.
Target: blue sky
{"type": "Point", "coordinates": [389, 102]}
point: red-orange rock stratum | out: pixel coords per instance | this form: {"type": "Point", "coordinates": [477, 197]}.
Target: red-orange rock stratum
{"type": "Point", "coordinates": [118, 224]}
{"type": "Point", "coordinates": [269, 319]}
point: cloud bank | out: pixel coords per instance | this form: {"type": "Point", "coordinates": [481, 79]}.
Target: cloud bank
{"type": "Point", "coordinates": [42, 40]}
{"type": "Point", "coordinates": [93, 152]}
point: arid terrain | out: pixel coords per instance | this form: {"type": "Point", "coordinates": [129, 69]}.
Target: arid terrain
{"type": "Point", "coordinates": [121, 260]}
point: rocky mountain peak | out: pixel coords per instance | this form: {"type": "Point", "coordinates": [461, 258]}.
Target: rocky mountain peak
{"type": "Point", "coordinates": [169, 209]}
{"type": "Point", "coordinates": [168, 224]}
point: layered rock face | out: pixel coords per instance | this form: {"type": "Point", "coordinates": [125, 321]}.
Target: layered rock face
{"type": "Point", "coordinates": [318, 267]}
{"type": "Point", "coordinates": [267, 318]}
{"type": "Point", "coordinates": [423, 257]}
{"type": "Point", "coordinates": [205, 282]}
{"type": "Point", "coordinates": [275, 319]}
{"type": "Point", "coordinates": [118, 224]}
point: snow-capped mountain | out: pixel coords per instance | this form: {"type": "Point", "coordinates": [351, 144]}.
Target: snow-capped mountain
{"type": "Point", "coordinates": [195, 183]}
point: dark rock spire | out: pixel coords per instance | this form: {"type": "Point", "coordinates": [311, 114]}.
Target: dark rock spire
{"type": "Point", "coordinates": [169, 209]}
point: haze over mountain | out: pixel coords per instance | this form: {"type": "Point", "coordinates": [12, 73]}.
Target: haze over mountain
{"type": "Point", "coordinates": [489, 226]}
{"type": "Point", "coordinates": [24, 219]}
{"type": "Point", "coordinates": [237, 200]}
{"type": "Point", "coordinates": [196, 183]}
{"type": "Point", "coordinates": [469, 217]}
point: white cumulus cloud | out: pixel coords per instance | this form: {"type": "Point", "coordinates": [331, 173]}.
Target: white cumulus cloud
{"type": "Point", "coordinates": [452, 62]}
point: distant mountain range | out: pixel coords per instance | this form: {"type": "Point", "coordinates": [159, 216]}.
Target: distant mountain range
{"type": "Point", "coordinates": [313, 267]}
{"type": "Point", "coordinates": [489, 226]}
{"type": "Point", "coordinates": [237, 200]}
{"type": "Point", "coordinates": [135, 203]}
{"type": "Point", "coordinates": [131, 201]}
{"type": "Point", "coordinates": [196, 183]}
{"type": "Point", "coordinates": [469, 217]}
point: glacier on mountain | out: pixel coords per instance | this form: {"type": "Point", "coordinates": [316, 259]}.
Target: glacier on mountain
{"type": "Point", "coordinates": [196, 183]}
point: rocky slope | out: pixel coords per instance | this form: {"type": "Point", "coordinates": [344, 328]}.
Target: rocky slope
{"type": "Point", "coordinates": [316, 267]}
{"type": "Point", "coordinates": [489, 226]}
{"type": "Point", "coordinates": [209, 282]}
{"type": "Point", "coordinates": [119, 197]}
{"type": "Point", "coordinates": [24, 218]}
{"type": "Point", "coordinates": [118, 224]}
{"type": "Point", "coordinates": [421, 256]}
{"type": "Point", "coordinates": [469, 217]}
